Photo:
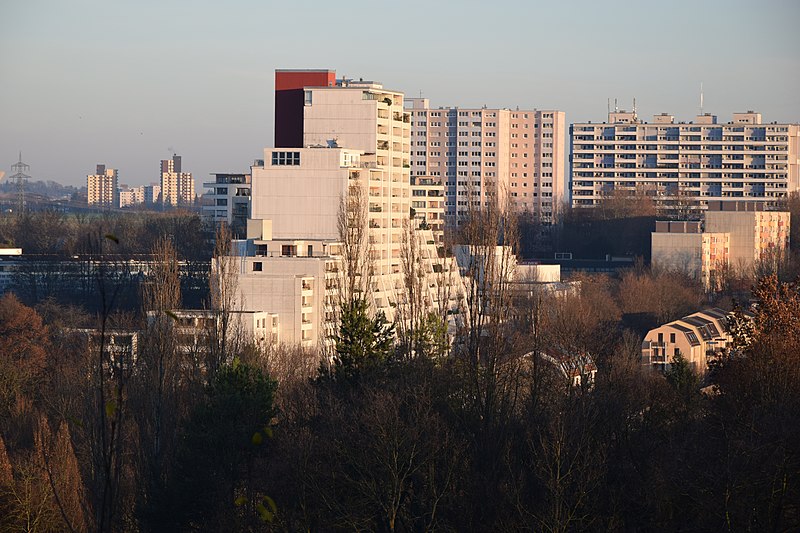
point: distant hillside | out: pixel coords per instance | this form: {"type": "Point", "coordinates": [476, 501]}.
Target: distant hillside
{"type": "Point", "coordinates": [48, 189]}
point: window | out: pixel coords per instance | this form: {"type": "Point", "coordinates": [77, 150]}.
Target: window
{"type": "Point", "coordinates": [286, 158]}
{"type": "Point", "coordinates": [672, 337]}
{"type": "Point", "coordinates": [257, 266]}
{"type": "Point", "coordinates": [307, 97]}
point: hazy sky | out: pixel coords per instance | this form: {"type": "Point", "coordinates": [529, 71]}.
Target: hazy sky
{"type": "Point", "coordinates": [127, 83]}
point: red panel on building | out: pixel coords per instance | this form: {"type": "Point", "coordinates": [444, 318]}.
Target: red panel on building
{"type": "Point", "coordinates": [289, 102]}
{"type": "Point", "coordinates": [297, 79]}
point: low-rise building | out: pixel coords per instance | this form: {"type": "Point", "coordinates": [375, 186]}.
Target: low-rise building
{"type": "Point", "coordinates": [683, 246]}
{"type": "Point", "coordinates": [697, 338]}
{"type": "Point", "coordinates": [195, 328]}
{"type": "Point", "coordinates": [736, 235]}
{"type": "Point", "coordinates": [755, 233]}
{"type": "Point", "coordinates": [130, 196]}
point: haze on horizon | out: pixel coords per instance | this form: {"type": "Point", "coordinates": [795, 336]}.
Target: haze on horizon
{"type": "Point", "coordinates": [88, 82]}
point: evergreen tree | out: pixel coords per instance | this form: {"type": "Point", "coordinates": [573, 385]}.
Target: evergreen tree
{"type": "Point", "coordinates": [362, 342]}
{"type": "Point", "coordinates": [213, 487]}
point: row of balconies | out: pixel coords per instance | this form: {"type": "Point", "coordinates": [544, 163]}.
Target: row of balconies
{"type": "Point", "coordinates": [697, 148]}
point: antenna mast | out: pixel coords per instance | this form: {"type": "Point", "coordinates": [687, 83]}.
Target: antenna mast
{"type": "Point", "coordinates": [701, 97]}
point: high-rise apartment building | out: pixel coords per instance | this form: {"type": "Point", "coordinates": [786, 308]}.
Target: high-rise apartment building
{"type": "Point", "coordinates": [340, 143]}
{"type": "Point", "coordinates": [177, 187]}
{"type": "Point", "coordinates": [228, 200]}
{"type": "Point", "coordinates": [517, 155]}
{"type": "Point", "coordinates": [684, 165]}
{"type": "Point", "coordinates": [102, 187]}
{"type": "Point", "coordinates": [362, 116]}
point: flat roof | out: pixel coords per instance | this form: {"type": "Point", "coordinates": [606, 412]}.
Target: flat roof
{"type": "Point", "coordinates": [305, 70]}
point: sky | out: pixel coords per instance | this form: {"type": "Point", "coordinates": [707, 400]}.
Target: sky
{"type": "Point", "coordinates": [127, 84]}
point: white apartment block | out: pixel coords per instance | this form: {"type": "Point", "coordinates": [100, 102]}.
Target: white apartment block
{"type": "Point", "coordinates": [354, 144]}
{"type": "Point", "coordinates": [177, 187]}
{"type": "Point", "coordinates": [517, 155]}
{"type": "Point", "coordinates": [293, 265]}
{"type": "Point", "coordinates": [102, 187]}
{"type": "Point", "coordinates": [228, 200]}
{"type": "Point", "coordinates": [364, 116]}
{"type": "Point", "coordinates": [684, 165]}
{"type": "Point", "coordinates": [297, 291]}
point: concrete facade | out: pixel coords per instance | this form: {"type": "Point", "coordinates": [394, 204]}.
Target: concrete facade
{"type": "Point", "coordinates": [355, 151]}
{"type": "Point", "coordinates": [684, 166]}
{"type": "Point", "coordinates": [756, 234]}
{"type": "Point", "coordinates": [738, 235]}
{"type": "Point", "coordinates": [300, 190]}
{"type": "Point", "coordinates": [516, 156]}
{"type": "Point", "coordinates": [130, 196]}
{"type": "Point", "coordinates": [684, 247]}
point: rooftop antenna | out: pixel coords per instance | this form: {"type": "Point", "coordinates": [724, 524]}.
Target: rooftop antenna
{"type": "Point", "coordinates": [616, 108]}
{"type": "Point", "coordinates": [608, 105]}
{"type": "Point", "coordinates": [634, 105]}
{"type": "Point", "coordinates": [701, 97]}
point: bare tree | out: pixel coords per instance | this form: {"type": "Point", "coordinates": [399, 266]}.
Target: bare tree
{"type": "Point", "coordinates": [412, 307]}
{"type": "Point", "coordinates": [162, 290]}
{"type": "Point", "coordinates": [485, 348]}
{"type": "Point", "coordinates": [226, 334]}
{"type": "Point", "coordinates": [352, 224]}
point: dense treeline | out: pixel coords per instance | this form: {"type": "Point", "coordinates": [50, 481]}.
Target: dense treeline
{"type": "Point", "coordinates": [61, 253]}
{"type": "Point", "coordinates": [57, 234]}
{"type": "Point", "coordinates": [389, 438]}
{"type": "Point", "coordinates": [388, 429]}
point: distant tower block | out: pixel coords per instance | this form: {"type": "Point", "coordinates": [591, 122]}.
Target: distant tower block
{"type": "Point", "coordinates": [21, 179]}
